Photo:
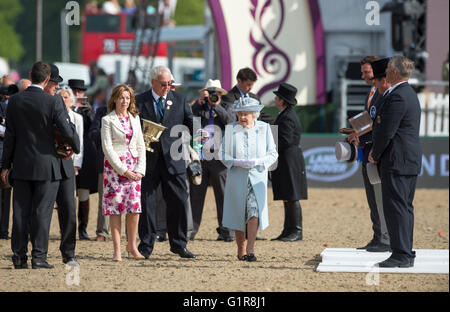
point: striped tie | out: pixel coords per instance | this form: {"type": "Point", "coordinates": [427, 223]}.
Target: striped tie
{"type": "Point", "coordinates": [160, 107]}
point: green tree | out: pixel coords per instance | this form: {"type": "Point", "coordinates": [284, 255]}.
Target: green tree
{"type": "Point", "coordinates": [10, 44]}
{"type": "Point", "coordinates": [190, 12]}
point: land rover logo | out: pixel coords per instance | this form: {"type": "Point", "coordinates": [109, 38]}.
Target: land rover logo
{"type": "Point", "coordinates": [322, 165]}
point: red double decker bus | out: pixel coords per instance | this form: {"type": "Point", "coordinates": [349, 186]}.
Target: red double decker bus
{"type": "Point", "coordinates": [110, 34]}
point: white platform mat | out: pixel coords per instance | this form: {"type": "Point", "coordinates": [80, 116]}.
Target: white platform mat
{"type": "Point", "coordinates": [354, 260]}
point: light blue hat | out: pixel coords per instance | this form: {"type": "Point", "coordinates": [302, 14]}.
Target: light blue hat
{"type": "Point", "coordinates": [247, 104]}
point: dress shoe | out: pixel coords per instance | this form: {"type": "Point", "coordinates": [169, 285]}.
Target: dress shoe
{"type": "Point", "coordinates": [183, 252]}
{"type": "Point", "coordinates": [20, 263]}
{"type": "Point", "coordinates": [100, 238]}
{"type": "Point", "coordinates": [83, 235]}
{"type": "Point", "coordinates": [4, 236]}
{"type": "Point", "coordinates": [372, 243]}
{"type": "Point", "coordinates": [379, 248]}
{"type": "Point", "coordinates": [251, 257]}
{"type": "Point", "coordinates": [41, 265]}
{"type": "Point", "coordinates": [260, 238]}
{"type": "Point", "coordinates": [283, 234]}
{"type": "Point", "coordinates": [293, 237]}
{"type": "Point", "coordinates": [161, 238]}
{"type": "Point", "coordinates": [394, 263]}
{"type": "Point", "coordinates": [71, 262]}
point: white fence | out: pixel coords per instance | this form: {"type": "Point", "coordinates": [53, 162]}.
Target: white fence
{"type": "Point", "coordinates": [435, 107]}
{"type": "Point", "coordinates": [434, 119]}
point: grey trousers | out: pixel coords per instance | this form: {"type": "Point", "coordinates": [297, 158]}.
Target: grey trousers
{"type": "Point", "coordinates": [102, 221]}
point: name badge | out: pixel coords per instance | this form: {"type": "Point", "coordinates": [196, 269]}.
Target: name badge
{"type": "Point", "coordinates": [373, 112]}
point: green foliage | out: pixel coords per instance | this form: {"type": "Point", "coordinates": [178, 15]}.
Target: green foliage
{"type": "Point", "coordinates": [10, 45]}
{"type": "Point", "coordinates": [190, 12]}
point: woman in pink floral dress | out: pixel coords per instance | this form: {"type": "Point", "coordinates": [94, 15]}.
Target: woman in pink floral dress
{"type": "Point", "coordinates": [124, 167]}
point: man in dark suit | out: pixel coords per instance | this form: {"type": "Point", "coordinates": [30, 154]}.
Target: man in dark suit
{"type": "Point", "coordinates": [396, 147]}
{"type": "Point", "coordinates": [169, 108]}
{"type": "Point", "coordinates": [246, 78]}
{"type": "Point", "coordinates": [214, 115]}
{"type": "Point", "coordinates": [29, 148]}
{"type": "Point", "coordinates": [65, 198]}
{"type": "Point", "coordinates": [380, 239]}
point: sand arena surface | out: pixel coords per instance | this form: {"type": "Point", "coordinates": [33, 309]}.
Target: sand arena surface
{"type": "Point", "coordinates": [338, 217]}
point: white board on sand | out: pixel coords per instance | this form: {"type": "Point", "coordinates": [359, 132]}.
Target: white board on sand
{"type": "Point", "coordinates": [355, 260]}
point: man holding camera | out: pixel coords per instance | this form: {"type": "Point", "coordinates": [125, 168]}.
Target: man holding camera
{"type": "Point", "coordinates": [214, 116]}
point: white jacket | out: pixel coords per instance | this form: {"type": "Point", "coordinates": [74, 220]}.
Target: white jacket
{"type": "Point", "coordinates": [77, 120]}
{"type": "Point", "coordinates": [114, 143]}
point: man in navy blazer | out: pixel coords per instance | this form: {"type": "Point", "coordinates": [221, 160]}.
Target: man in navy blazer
{"type": "Point", "coordinates": [29, 149]}
{"type": "Point", "coordinates": [169, 108]}
{"type": "Point", "coordinates": [396, 147]}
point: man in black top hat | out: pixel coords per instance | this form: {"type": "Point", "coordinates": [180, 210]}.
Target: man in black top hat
{"type": "Point", "coordinates": [380, 239]}
{"type": "Point", "coordinates": [65, 198]}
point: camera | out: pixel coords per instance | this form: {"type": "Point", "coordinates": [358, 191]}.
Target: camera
{"type": "Point", "coordinates": [213, 96]}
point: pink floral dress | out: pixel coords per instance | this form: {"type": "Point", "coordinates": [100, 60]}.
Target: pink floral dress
{"type": "Point", "coordinates": [121, 195]}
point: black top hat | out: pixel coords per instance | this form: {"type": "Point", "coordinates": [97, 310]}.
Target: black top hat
{"type": "Point", "coordinates": [54, 76]}
{"type": "Point", "coordinates": [379, 68]}
{"type": "Point", "coordinates": [287, 92]}
{"type": "Point", "coordinates": [77, 84]}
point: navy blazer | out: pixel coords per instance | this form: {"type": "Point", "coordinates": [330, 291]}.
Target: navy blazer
{"type": "Point", "coordinates": [396, 143]}
{"type": "Point", "coordinates": [179, 113]}
{"type": "Point", "coordinates": [29, 144]}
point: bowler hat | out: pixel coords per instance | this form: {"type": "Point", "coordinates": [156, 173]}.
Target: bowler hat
{"type": "Point", "coordinates": [54, 75]}
{"type": "Point", "coordinates": [345, 151]}
{"type": "Point", "coordinates": [287, 92]}
{"type": "Point", "coordinates": [77, 84]}
{"type": "Point", "coordinates": [379, 68]}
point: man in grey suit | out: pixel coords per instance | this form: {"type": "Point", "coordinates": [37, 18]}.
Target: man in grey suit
{"type": "Point", "coordinates": [29, 149]}
{"type": "Point", "coordinates": [396, 148]}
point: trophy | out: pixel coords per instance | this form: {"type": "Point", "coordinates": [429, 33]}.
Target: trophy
{"type": "Point", "coordinates": [151, 131]}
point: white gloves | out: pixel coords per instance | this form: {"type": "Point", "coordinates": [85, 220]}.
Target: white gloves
{"type": "Point", "coordinates": [247, 163]}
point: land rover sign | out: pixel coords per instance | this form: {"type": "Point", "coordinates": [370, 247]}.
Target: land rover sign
{"type": "Point", "coordinates": [321, 165]}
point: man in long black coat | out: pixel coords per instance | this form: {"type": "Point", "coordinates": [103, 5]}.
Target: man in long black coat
{"type": "Point", "coordinates": [396, 147]}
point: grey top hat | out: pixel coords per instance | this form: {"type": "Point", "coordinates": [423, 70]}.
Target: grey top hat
{"type": "Point", "coordinates": [247, 104]}
{"type": "Point", "coordinates": [345, 151]}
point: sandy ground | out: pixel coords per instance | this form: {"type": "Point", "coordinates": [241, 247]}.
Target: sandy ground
{"type": "Point", "coordinates": [338, 217]}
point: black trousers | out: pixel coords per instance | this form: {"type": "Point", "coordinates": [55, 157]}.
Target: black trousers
{"type": "Point", "coordinates": [67, 216]}
{"type": "Point", "coordinates": [398, 196]}
{"type": "Point", "coordinates": [32, 213]}
{"type": "Point", "coordinates": [214, 173]}
{"type": "Point", "coordinates": [175, 192]}
{"type": "Point", "coordinates": [5, 207]}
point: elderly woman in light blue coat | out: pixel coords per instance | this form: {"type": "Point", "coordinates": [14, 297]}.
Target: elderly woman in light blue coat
{"type": "Point", "coordinates": [248, 150]}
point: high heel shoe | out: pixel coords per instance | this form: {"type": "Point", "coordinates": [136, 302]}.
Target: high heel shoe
{"type": "Point", "coordinates": [117, 258]}
{"type": "Point", "coordinates": [136, 257]}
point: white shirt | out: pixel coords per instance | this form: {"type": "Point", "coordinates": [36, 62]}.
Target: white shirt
{"type": "Point", "coordinates": [37, 86]}
{"type": "Point", "coordinates": [393, 87]}
{"type": "Point", "coordinates": [156, 98]}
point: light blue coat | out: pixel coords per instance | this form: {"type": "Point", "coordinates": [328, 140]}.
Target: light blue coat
{"type": "Point", "coordinates": [240, 143]}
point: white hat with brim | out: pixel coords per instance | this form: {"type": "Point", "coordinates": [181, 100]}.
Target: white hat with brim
{"type": "Point", "coordinates": [173, 83]}
{"type": "Point", "coordinates": [373, 174]}
{"type": "Point", "coordinates": [345, 151]}
{"type": "Point", "coordinates": [247, 104]}
{"type": "Point", "coordinates": [214, 84]}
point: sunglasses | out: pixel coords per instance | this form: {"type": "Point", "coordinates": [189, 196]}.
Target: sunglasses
{"type": "Point", "coordinates": [164, 84]}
